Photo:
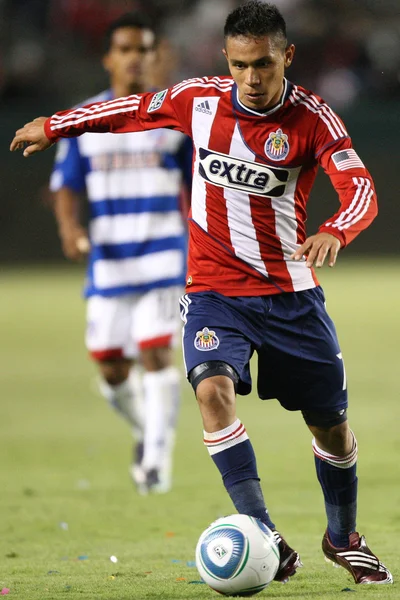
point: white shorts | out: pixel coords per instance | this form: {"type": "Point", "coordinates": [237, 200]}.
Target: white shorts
{"type": "Point", "coordinates": [119, 327]}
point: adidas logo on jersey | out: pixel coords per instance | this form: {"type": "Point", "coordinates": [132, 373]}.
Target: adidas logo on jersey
{"type": "Point", "coordinates": [251, 177]}
{"type": "Point", "coordinates": [204, 107]}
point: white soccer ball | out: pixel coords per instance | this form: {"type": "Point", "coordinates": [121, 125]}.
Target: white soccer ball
{"type": "Point", "coordinates": [237, 556]}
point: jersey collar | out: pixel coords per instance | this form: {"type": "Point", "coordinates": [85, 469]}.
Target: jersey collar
{"type": "Point", "coordinates": [238, 106]}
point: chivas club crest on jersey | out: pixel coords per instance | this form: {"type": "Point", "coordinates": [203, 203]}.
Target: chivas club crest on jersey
{"type": "Point", "coordinates": [206, 340]}
{"type": "Point", "coordinates": [277, 145]}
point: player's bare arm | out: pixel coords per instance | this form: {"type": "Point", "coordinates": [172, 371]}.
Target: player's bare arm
{"type": "Point", "coordinates": [74, 238]}
{"type": "Point", "coordinates": [31, 138]}
{"type": "Point", "coordinates": [316, 248]}
{"type": "Point", "coordinates": [74, 241]}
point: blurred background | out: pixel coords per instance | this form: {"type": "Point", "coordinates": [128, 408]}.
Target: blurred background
{"type": "Point", "coordinates": [50, 50]}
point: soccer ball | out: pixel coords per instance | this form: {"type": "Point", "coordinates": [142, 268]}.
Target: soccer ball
{"type": "Point", "coordinates": [237, 555]}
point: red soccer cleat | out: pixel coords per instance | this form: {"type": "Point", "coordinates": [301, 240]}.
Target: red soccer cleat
{"type": "Point", "coordinates": [289, 559]}
{"type": "Point", "coordinates": [358, 560]}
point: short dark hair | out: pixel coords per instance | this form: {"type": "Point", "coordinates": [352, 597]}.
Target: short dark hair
{"type": "Point", "coordinates": [134, 20]}
{"type": "Point", "coordinates": [255, 19]}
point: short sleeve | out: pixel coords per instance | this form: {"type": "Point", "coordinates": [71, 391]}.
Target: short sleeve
{"type": "Point", "coordinates": [69, 167]}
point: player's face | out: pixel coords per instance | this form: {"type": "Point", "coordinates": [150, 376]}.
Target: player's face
{"type": "Point", "coordinates": [129, 56]}
{"type": "Point", "coordinates": [257, 65]}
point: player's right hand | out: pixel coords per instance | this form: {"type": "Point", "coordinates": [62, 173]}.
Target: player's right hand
{"type": "Point", "coordinates": [31, 138]}
{"type": "Point", "coordinates": [75, 242]}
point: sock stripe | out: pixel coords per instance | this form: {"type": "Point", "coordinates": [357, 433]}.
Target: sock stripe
{"type": "Point", "coordinates": [325, 455]}
{"type": "Point", "coordinates": [342, 462]}
{"type": "Point", "coordinates": [337, 461]}
{"type": "Point", "coordinates": [218, 441]}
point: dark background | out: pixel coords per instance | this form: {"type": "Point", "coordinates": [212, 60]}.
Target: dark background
{"type": "Point", "coordinates": [50, 50]}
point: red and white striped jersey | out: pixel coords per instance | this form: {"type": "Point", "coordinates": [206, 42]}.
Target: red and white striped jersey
{"type": "Point", "coordinates": [253, 173]}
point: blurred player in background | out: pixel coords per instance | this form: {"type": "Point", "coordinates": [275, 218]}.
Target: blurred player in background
{"type": "Point", "coordinates": [136, 252]}
{"type": "Point", "coordinates": [259, 140]}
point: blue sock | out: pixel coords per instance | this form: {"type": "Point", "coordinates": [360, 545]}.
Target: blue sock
{"type": "Point", "coordinates": [338, 479]}
{"type": "Point", "coordinates": [232, 452]}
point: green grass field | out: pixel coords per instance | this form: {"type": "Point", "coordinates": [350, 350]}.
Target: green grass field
{"type": "Point", "coordinates": [65, 489]}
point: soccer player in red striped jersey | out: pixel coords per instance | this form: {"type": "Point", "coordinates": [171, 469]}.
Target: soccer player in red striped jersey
{"type": "Point", "coordinates": [251, 287]}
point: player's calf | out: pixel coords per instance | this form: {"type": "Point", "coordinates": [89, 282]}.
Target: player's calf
{"type": "Point", "coordinates": [124, 401]}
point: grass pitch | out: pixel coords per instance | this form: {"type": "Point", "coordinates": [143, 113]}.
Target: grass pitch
{"type": "Point", "coordinates": [67, 504]}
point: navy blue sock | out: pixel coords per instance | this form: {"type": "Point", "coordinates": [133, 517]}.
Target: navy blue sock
{"type": "Point", "coordinates": [338, 479]}
{"type": "Point", "coordinates": [233, 454]}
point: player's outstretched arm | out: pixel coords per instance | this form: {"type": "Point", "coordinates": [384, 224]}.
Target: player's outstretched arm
{"type": "Point", "coordinates": [31, 138]}
{"type": "Point", "coordinates": [316, 248]}
{"type": "Point", "coordinates": [139, 112]}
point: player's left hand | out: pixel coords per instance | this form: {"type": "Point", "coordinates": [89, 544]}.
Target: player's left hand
{"type": "Point", "coordinates": [316, 248]}
{"type": "Point", "coordinates": [31, 138]}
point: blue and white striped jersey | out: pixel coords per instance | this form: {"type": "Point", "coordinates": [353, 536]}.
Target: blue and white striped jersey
{"type": "Point", "coordinates": [133, 183]}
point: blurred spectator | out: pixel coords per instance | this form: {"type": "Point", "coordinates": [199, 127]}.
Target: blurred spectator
{"type": "Point", "coordinates": [347, 51]}
{"type": "Point", "coordinates": [164, 67]}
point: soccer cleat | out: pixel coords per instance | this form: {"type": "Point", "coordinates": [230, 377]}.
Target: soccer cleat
{"type": "Point", "coordinates": [139, 479]}
{"type": "Point", "coordinates": [289, 559]}
{"type": "Point", "coordinates": [358, 559]}
{"type": "Point", "coordinates": [152, 481]}
{"type": "Point", "coordinates": [149, 482]}
{"type": "Point", "coordinates": [137, 473]}
{"type": "Point", "coordinates": [156, 480]}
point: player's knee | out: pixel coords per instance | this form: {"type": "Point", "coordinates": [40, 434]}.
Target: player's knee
{"type": "Point", "coordinates": [115, 372]}
{"type": "Point", "coordinates": [155, 359]}
{"type": "Point", "coordinates": [216, 394]}
{"type": "Point", "coordinates": [212, 368]}
{"type": "Point", "coordinates": [337, 440]}
{"type": "Point", "coordinates": [214, 383]}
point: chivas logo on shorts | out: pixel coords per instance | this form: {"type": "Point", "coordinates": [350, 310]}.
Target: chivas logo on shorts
{"type": "Point", "coordinates": [206, 340]}
{"type": "Point", "coordinates": [277, 145]}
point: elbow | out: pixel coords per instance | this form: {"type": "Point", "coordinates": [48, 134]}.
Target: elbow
{"type": "Point", "coordinates": [374, 207]}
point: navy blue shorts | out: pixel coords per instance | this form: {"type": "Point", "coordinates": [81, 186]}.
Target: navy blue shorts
{"type": "Point", "coordinates": [299, 359]}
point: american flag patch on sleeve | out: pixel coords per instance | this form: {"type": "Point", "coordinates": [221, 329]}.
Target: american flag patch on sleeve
{"type": "Point", "coordinates": [347, 159]}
